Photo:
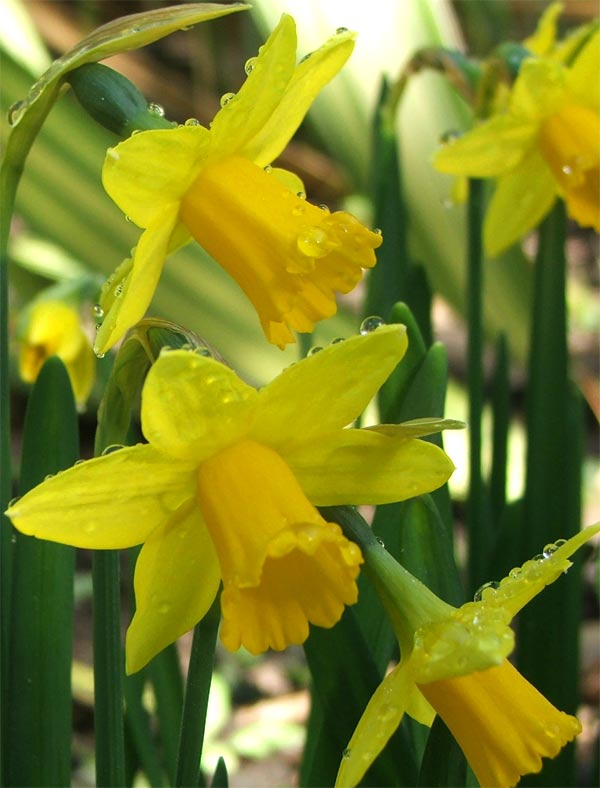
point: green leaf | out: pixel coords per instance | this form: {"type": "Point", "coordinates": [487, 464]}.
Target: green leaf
{"type": "Point", "coordinates": [39, 721]}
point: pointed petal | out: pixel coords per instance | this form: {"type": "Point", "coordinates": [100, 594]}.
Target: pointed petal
{"type": "Point", "coordinates": [248, 111]}
{"type": "Point", "coordinates": [501, 722]}
{"type": "Point", "coordinates": [582, 77]}
{"type": "Point", "coordinates": [177, 576]}
{"type": "Point", "coordinates": [309, 78]}
{"type": "Point", "coordinates": [493, 148]}
{"type": "Point", "coordinates": [539, 90]}
{"type": "Point", "coordinates": [327, 390]}
{"type": "Point", "coordinates": [526, 582]}
{"type": "Point", "coordinates": [365, 467]}
{"type": "Point", "coordinates": [377, 724]}
{"type": "Point", "coordinates": [192, 406]}
{"type": "Point", "coordinates": [417, 428]}
{"type": "Point", "coordinates": [154, 169]}
{"type": "Point", "coordinates": [109, 502]}
{"type": "Point", "coordinates": [544, 37]}
{"type": "Point", "coordinates": [127, 295]}
{"type": "Point", "coordinates": [521, 199]}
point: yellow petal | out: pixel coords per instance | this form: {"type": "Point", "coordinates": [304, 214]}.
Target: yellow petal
{"type": "Point", "coordinates": [130, 291]}
{"type": "Point", "coordinates": [520, 201]}
{"type": "Point", "coordinates": [377, 724]}
{"type": "Point", "coordinates": [283, 566]}
{"type": "Point", "coordinates": [539, 90]}
{"type": "Point", "coordinates": [176, 578]}
{"type": "Point", "coordinates": [287, 255]}
{"type": "Point", "coordinates": [153, 169]}
{"type": "Point", "coordinates": [543, 39]}
{"type": "Point", "coordinates": [492, 148]}
{"type": "Point", "coordinates": [52, 328]}
{"type": "Point", "coordinates": [327, 390]}
{"type": "Point", "coordinates": [365, 467]}
{"type": "Point", "coordinates": [524, 583]}
{"type": "Point", "coordinates": [570, 143]}
{"type": "Point", "coordinates": [82, 372]}
{"type": "Point", "coordinates": [582, 77]}
{"type": "Point", "coordinates": [247, 112]}
{"type": "Point", "coordinates": [309, 78]}
{"type": "Point", "coordinates": [193, 406]}
{"type": "Point", "coordinates": [107, 503]}
{"type": "Point", "coordinates": [501, 722]}
{"type": "Point", "coordinates": [417, 428]}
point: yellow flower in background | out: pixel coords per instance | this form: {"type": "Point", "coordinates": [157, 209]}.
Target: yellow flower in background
{"type": "Point", "coordinates": [546, 145]}
{"type": "Point", "coordinates": [53, 328]}
{"type": "Point", "coordinates": [454, 662]}
{"type": "Point", "coordinates": [217, 186]}
{"type": "Point", "coordinates": [227, 488]}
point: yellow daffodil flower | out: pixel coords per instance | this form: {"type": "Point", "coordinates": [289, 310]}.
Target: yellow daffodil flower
{"type": "Point", "coordinates": [217, 186]}
{"type": "Point", "coordinates": [53, 328]}
{"type": "Point", "coordinates": [454, 662]}
{"type": "Point", "coordinates": [227, 488]}
{"type": "Point", "coordinates": [546, 144]}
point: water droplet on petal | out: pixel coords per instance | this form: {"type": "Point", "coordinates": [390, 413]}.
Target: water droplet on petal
{"type": "Point", "coordinates": [119, 290]}
{"type": "Point", "coordinates": [112, 154]}
{"type": "Point", "coordinates": [324, 208]}
{"type": "Point", "coordinates": [298, 210]}
{"type": "Point", "coordinates": [203, 351]}
{"type": "Point", "coordinates": [567, 169]}
{"type": "Point", "coordinates": [249, 65]}
{"type": "Point", "coordinates": [314, 242]}
{"type": "Point", "coordinates": [301, 195]}
{"type": "Point", "coordinates": [515, 572]}
{"type": "Point", "coordinates": [337, 340]}
{"type": "Point", "coordinates": [268, 168]}
{"type": "Point", "coordinates": [560, 542]}
{"type": "Point", "coordinates": [341, 30]}
{"type": "Point", "coordinates": [99, 355]}
{"type": "Point", "coordinates": [381, 542]}
{"type": "Point", "coordinates": [487, 589]}
{"type": "Point", "coordinates": [370, 324]}
{"type": "Point", "coordinates": [192, 122]}
{"type": "Point", "coordinates": [346, 753]}
{"type": "Point", "coordinates": [549, 549]}
{"type": "Point", "coordinates": [12, 502]}
{"type": "Point", "coordinates": [378, 231]}
{"type": "Point", "coordinates": [112, 448]}
{"type": "Point", "coordinates": [305, 58]}
{"type": "Point", "coordinates": [48, 476]}
{"type": "Point", "coordinates": [227, 98]}
{"type": "Point", "coordinates": [313, 350]}
{"type": "Point", "coordinates": [97, 311]}
{"type": "Point", "coordinates": [156, 109]}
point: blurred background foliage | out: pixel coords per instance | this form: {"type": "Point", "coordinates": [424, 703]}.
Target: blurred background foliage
{"type": "Point", "coordinates": [65, 226]}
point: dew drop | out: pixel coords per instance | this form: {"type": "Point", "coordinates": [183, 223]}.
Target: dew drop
{"type": "Point", "coordinates": [48, 476]}
{"type": "Point", "coordinates": [203, 351]}
{"type": "Point", "coordinates": [268, 168]}
{"type": "Point", "coordinates": [135, 132]}
{"type": "Point", "coordinates": [324, 208]}
{"type": "Point", "coordinates": [97, 311]}
{"type": "Point", "coordinates": [16, 111]}
{"type": "Point", "coordinates": [341, 30]}
{"type": "Point", "coordinates": [305, 58]}
{"type": "Point", "coordinates": [250, 64]}
{"type": "Point", "coordinates": [313, 350]}
{"type": "Point", "coordinates": [549, 549]}
{"type": "Point", "coordinates": [381, 542]}
{"type": "Point", "coordinates": [99, 355]}
{"type": "Point", "coordinates": [112, 154]}
{"type": "Point", "coordinates": [538, 557]}
{"type": "Point", "coordinates": [156, 109]}
{"type": "Point", "coordinates": [567, 169]}
{"type": "Point", "coordinates": [301, 195]}
{"type": "Point", "coordinates": [298, 210]}
{"type": "Point", "coordinates": [337, 340]}
{"type": "Point", "coordinates": [515, 572]}
{"type": "Point", "coordinates": [560, 542]}
{"type": "Point", "coordinates": [192, 122]}
{"type": "Point", "coordinates": [346, 753]}
{"type": "Point", "coordinates": [227, 98]}
{"type": "Point", "coordinates": [370, 324]}
{"type": "Point", "coordinates": [128, 219]}
{"type": "Point", "coordinates": [314, 242]}
{"type": "Point", "coordinates": [13, 539]}
{"type": "Point", "coordinates": [112, 448]}
{"type": "Point", "coordinates": [448, 137]}
{"type": "Point", "coordinates": [481, 591]}
{"type": "Point", "coordinates": [13, 502]}
{"type": "Point", "coordinates": [119, 290]}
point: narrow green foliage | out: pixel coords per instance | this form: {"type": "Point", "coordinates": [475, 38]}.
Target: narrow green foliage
{"type": "Point", "coordinates": [164, 672]}
{"type": "Point", "coordinates": [551, 507]}
{"type": "Point", "coordinates": [39, 707]}
{"type": "Point", "coordinates": [193, 722]}
{"type": "Point", "coordinates": [443, 762]}
{"type": "Point", "coordinates": [500, 397]}
{"type": "Point", "coordinates": [220, 778]}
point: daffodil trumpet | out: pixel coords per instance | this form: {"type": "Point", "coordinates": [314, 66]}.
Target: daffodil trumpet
{"type": "Point", "coordinates": [217, 185]}
{"type": "Point", "coordinates": [454, 662]}
{"type": "Point", "coordinates": [226, 488]}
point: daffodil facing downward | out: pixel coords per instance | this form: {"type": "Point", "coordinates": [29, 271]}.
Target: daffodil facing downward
{"type": "Point", "coordinates": [545, 145]}
{"type": "Point", "coordinates": [53, 328]}
{"type": "Point", "coordinates": [217, 185]}
{"type": "Point", "coordinates": [226, 489]}
{"type": "Point", "coordinates": [454, 663]}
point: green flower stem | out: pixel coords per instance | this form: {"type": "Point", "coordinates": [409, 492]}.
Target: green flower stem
{"type": "Point", "coordinates": [197, 688]}
{"type": "Point", "coordinates": [476, 522]}
{"type": "Point", "coordinates": [108, 670]}
{"type": "Point", "coordinates": [501, 410]}
{"type": "Point", "coordinates": [165, 675]}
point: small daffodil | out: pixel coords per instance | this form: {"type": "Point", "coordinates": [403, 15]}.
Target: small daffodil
{"type": "Point", "coordinates": [454, 663]}
{"type": "Point", "coordinates": [226, 488]}
{"type": "Point", "coordinates": [53, 328]}
{"type": "Point", "coordinates": [217, 185]}
{"type": "Point", "coordinates": [546, 144]}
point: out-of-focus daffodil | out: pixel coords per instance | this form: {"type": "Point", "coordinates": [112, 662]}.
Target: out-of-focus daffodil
{"type": "Point", "coordinates": [546, 144]}
{"type": "Point", "coordinates": [217, 186]}
{"type": "Point", "coordinates": [226, 489]}
{"type": "Point", "coordinates": [53, 328]}
{"type": "Point", "coordinates": [454, 662]}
